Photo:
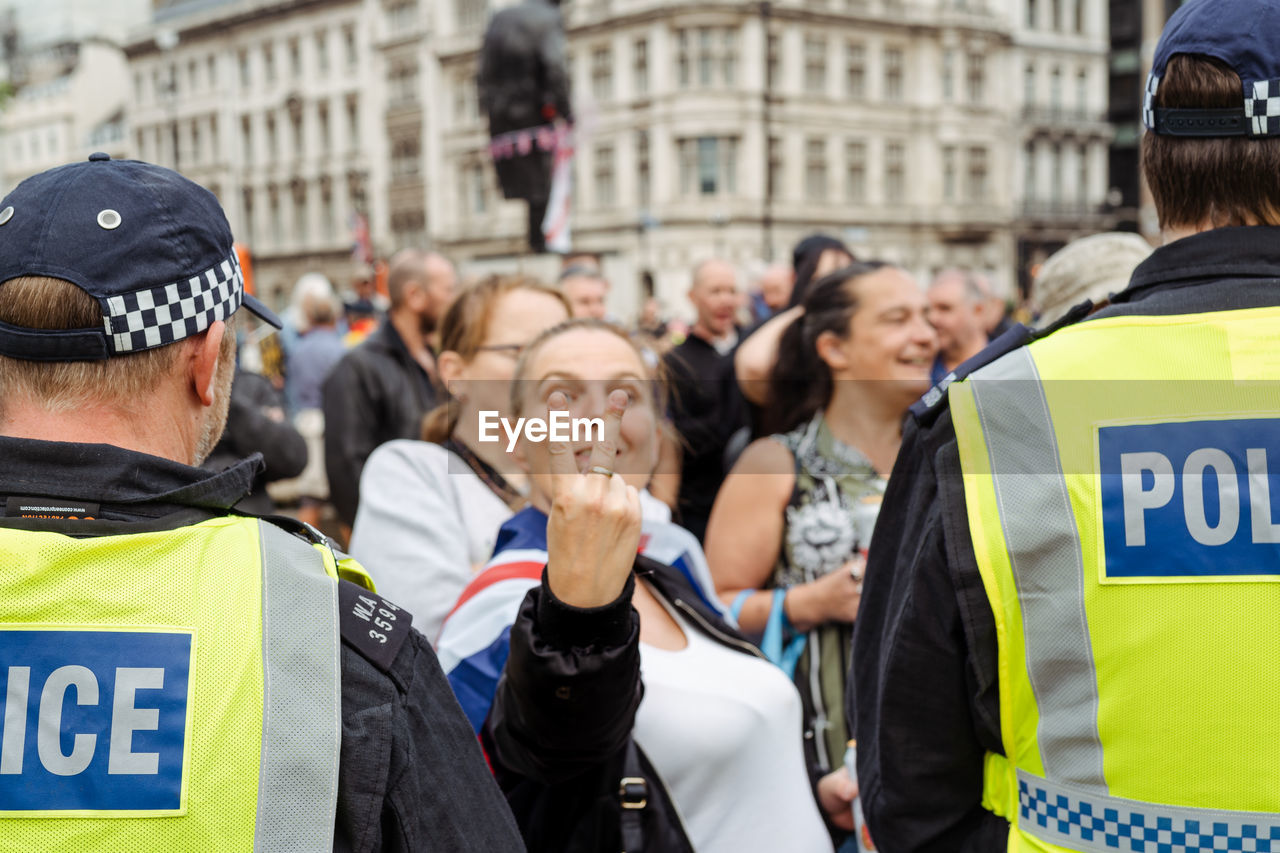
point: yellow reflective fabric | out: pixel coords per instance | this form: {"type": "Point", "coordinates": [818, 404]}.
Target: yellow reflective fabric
{"type": "Point", "coordinates": [1185, 666]}
{"type": "Point", "coordinates": [205, 579]}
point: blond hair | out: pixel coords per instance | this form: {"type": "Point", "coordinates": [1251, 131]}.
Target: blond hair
{"type": "Point", "coordinates": [37, 302]}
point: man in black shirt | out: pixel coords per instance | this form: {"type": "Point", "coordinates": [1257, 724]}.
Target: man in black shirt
{"type": "Point", "coordinates": [706, 406]}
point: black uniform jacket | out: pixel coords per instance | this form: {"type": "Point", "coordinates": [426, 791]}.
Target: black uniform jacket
{"type": "Point", "coordinates": [559, 731]}
{"type": "Point", "coordinates": [411, 775]}
{"type": "Point", "coordinates": [923, 692]}
{"type": "Point", "coordinates": [375, 394]}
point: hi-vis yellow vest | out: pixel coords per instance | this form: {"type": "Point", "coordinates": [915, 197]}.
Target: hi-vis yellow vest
{"type": "Point", "coordinates": [174, 690]}
{"type": "Point", "coordinates": [1122, 478]}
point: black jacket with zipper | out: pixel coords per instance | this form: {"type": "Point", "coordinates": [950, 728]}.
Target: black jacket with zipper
{"type": "Point", "coordinates": [559, 732]}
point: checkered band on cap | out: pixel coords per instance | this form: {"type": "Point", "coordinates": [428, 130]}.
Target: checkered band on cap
{"type": "Point", "coordinates": [162, 315]}
{"type": "Point", "coordinates": [1263, 108]}
{"type": "Point", "coordinates": [1148, 112]}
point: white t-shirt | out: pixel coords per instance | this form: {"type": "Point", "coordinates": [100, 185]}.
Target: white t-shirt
{"type": "Point", "coordinates": [723, 730]}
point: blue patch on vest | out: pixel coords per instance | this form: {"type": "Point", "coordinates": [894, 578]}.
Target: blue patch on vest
{"type": "Point", "coordinates": [93, 720]}
{"type": "Point", "coordinates": [1192, 499]}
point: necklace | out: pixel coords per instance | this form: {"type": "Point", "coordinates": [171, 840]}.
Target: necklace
{"type": "Point", "coordinates": [488, 475]}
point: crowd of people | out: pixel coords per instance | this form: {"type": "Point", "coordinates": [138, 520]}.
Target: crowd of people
{"type": "Point", "coordinates": [757, 450]}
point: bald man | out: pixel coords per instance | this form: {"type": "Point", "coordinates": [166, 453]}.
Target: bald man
{"type": "Point", "coordinates": [706, 406]}
{"type": "Point", "coordinates": [382, 388]}
{"type": "Point", "coordinates": [957, 310]}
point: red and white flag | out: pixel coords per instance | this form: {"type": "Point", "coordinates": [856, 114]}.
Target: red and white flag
{"type": "Point", "coordinates": [555, 224]}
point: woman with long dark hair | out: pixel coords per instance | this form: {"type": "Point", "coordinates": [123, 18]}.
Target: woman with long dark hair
{"type": "Point", "coordinates": [791, 518]}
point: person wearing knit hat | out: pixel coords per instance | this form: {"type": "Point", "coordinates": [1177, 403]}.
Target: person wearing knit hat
{"type": "Point", "coordinates": [1091, 268]}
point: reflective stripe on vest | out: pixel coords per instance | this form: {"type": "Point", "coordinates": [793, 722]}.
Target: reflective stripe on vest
{"type": "Point", "coordinates": [302, 711]}
{"type": "Point", "coordinates": [1126, 535]}
{"type": "Point", "coordinates": [160, 691]}
{"type": "Point", "coordinates": [1044, 551]}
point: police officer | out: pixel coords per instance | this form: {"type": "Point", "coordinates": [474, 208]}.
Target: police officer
{"type": "Point", "coordinates": [1068, 635]}
{"type": "Point", "coordinates": [176, 676]}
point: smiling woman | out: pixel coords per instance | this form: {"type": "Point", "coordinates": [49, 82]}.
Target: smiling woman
{"type": "Point", "coordinates": [792, 523]}
{"type": "Point", "coordinates": [610, 697]}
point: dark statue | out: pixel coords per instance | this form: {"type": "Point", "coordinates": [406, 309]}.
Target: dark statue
{"type": "Point", "coordinates": [524, 85]}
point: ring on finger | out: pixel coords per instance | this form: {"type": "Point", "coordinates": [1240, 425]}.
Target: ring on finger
{"type": "Point", "coordinates": [600, 469]}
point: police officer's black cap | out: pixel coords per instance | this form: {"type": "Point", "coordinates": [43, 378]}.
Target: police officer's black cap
{"type": "Point", "coordinates": [1239, 33]}
{"type": "Point", "coordinates": [152, 247]}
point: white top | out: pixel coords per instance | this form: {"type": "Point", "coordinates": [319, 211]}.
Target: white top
{"type": "Point", "coordinates": [723, 730]}
{"type": "Point", "coordinates": [425, 520]}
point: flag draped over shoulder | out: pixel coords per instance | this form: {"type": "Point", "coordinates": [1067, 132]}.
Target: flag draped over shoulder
{"type": "Point", "coordinates": [473, 642]}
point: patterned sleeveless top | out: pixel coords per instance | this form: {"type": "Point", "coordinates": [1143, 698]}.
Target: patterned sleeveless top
{"type": "Point", "coordinates": [828, 520]}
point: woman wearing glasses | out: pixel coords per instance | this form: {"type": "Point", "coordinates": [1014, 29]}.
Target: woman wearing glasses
{"type": "Point", "coordinates": [430, 510]}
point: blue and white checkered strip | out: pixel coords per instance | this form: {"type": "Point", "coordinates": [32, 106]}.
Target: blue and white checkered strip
{"type": "Point", "coordinates": [1148, 111]}
{"type": "Point", "coordinates": [1096, 822]}
{"type": "Point", "coordinates": [161, 315]}
{"type": "Point", "coordinates": [1262, 108]}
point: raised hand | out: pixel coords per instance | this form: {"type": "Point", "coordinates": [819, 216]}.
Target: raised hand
{"type": "Point", "coordinates": [593, 529]}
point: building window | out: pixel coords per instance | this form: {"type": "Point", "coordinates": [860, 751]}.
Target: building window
{"type": "Point", "coordinates": [406, 158]}
{"type": "Point", "coordinates": [246, 138]}
{"type": "Point", "coordinates": [1082, 93]}
{"type": "Point", "coordinates": [774, 176]}
{"type": "Point", "coordinates": [1055, 89]}
{"type": "Point", "coordinates": [1055, 173]}
{"type": "Point", "coordinates": [1055, 15]}
{"type": "Point", "coordinates": [1080, 10]}
{"type": "Point", "coordinates": [977, 77]}
{"type": "Point", "coordinates": [295, 123]}
{"type": "Point", "coordinates": [640, 60]}
{"type": "Point", "coordinates": [1029, 86]}
{"type": "Point", "coordinates": [815, 64]}
{"type": "Point", "coordinates": [273, 210]}
{"type": "Point", "coordinates": [269, 62]}
{"type": "Point", "coordinates": [326, 211]}
{"type": "Point", "coordinates": [247, 236]}
{"type": "Point", "coordinates": [477, 192]}
{"type": "Point", "coordinates": [895, 175]}
{"type": "Point", "coordinates": [855, 70]}
{"type": "Point", "coordinates": [948, 74]}
{"type": "Point", "coordinates": [273, 153]}
{"type": "Point", "coordinates": [295, 58]}
{"type": "Point", "coordinates": [215, 144]}
{"type": "Point", "coordinates": [949, 173]}
{"type": "Point", "coordinates": [349, 45]}
{"type": "Point", "coordinates": [242, 60]}
{"type": "Point", "coordinates": [322, 119]}
{"type": "Point", "coordinates": [815, 169]}
{"type": "Point", "coordinates": [403, 16]}
{"type": "Point", "coordinates": [855, 171]}
{"type": "Point", "coordinates": [682, 58]}
{"type": "Point", "coordinates": [137, 87]}
{"type": "Point", "coordinates": [402, 83]}
{"type": "Point", "coordinates": [1029, 171]}
{"type": "Point", "coordinates": [893, 87]}
{"type": "Point", "coordinates": [605, 192]}
{"type": "Point", "coordinates": [211, 71]}
{"type": "Point", "coordinates": [471, 13]}
{"type": "Point", "coordinates": [1082, 174]}
{"type": "Point", "coordinates": [602, 74]}
{"type": "Point", "coordinates": [192, 73]}
{"type": "Point", "coordinates": [353, 123]}
{"type": "Point", "coordinates": [977, 186]}
{"type": "Point", "coordinates": [1032, 13]}
{"type": "Point", "coordinates": [706, 56]}
{"type": "Point", "coordinates": [773, 59]}
{"type": "Point", "coordinates": [139, 143]}
{"type": "Point", "coordinates": [644, 189]}
{"type": "Point", "coordinates": [714, 52]}
{"type": "Point", "coordinates": [729, 57]}
{"type": "Point", "coordinates": [197, 148]}
{"type": "Point", "coordinates": [300, 211]}
{"type": "Point", "coordinates": [708, 165]}
{"type": "Point", "coordinates": [322, 51]}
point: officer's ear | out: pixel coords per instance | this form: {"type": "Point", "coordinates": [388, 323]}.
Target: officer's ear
{"type": "Point", "coordinates": [204, 360]}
